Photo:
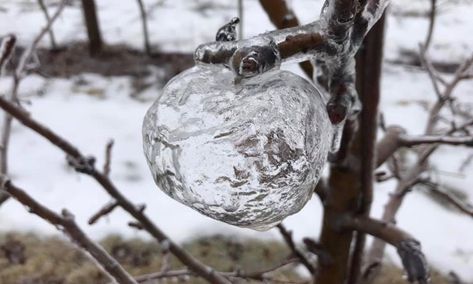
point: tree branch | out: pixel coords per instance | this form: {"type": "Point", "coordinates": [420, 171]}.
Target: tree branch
{"type": "Point", "coordinates": [7, 49]}
{"type": "Point", "coordinates": [106, 209]}
{"type": "Point", "coordinates": [48, 19]}
{"type": "Point", "coordinates": [458, 204]}
{"type": "Point", "coordinates": [144, 24]}
{"type": "Point", "coordinates": [287, 236]}
{"type": "Point", "coordinates": [282, 17]}
{"type": "Point", "coordinates": [66, 223]}
{"type": "Point", "coordinates": [408, 248]}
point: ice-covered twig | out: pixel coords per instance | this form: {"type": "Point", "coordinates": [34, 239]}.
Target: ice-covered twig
{"type": "Point", "coordinates": [104, 211]}
{"type": "Point", "coordinates": [65, 222]}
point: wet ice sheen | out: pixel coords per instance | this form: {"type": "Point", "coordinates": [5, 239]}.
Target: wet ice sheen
{"type": "Point", "coordinates": [247, 153]}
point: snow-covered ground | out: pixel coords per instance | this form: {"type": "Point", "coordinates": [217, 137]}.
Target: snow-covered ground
{"type": "Point", "coordinates": [90, 109]}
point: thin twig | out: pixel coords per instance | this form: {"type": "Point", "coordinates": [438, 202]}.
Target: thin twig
{"type": "Point", "coordinates": [255, 275]}
{"type": "Point", "coordinates": [6, 50]}
{"type": "Point", "coordinates": [432, 16]}
{"type": "Point", "coordinates": [17, 77]}
{"type": "Point", "coordinates": [106, 209]}
{"type": "Point", "coordinates": [46, 15]}
{"type": "Point", "coordinates": [459, 204]}
{"type": "Point", "coordinates": [144, 23]}
{"type": "Point", "coordinates": [108, 158]}
{"type": "Point", "coordinates": [65, 222]}
{"type": "Point", "coordinates": [287, 236]}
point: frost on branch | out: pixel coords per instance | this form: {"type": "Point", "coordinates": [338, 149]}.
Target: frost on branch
{"type": "Point", "coordinates": [248, 154]}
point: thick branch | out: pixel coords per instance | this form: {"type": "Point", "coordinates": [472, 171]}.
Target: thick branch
{"type": "Point", "coordinates": [408, 248]}
{"type": "Point", "coordinates": [193, 264]}
{"type": "Point", "coordinates": [67, 224]}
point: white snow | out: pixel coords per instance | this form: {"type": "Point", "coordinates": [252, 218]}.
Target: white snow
{"type": "Point", "coordinates": [89, 115]}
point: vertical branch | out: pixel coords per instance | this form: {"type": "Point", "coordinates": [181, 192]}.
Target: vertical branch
{"type": "Point", "coordinates": [48, 18]}
{"type": "Point", "coordinates": [92, 24]}
{"type": "Point", "coordinates": [368, 77]}
{"type": "Point", "coordinates": [144, 23]}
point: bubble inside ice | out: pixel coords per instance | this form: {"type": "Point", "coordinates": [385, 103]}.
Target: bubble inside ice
{"type": "Point", "coordinates": [246, 153]}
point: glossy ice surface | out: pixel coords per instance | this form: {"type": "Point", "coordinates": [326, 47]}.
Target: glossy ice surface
{"type": "Point", "coordinates": [247, 153]}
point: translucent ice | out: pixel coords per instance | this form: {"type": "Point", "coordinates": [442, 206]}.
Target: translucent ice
{"type": "Point", "coordinates": [247, 153]}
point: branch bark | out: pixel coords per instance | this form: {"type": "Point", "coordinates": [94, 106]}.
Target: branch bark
{"type": "Point", "coordinates": [48, 19]}
{"type": "Point", "coordinates": [89, 10]}
{"type": "Point", "coordinates": [282, 17]}
{"type": "Point", "coordinates": [368, 71]}
{"type": "Point", "coordinates": [287, 236]}
{"type": "Point", "coordinates": [408, 248]}
{"type": "Point", "coordinates": [17, 77]}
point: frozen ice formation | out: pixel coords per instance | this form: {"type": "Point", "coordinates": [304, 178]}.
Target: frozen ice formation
{"type": "Point", "coordinates": [246, 153]}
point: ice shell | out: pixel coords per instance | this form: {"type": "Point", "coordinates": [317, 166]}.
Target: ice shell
{"type": "Point", "coordinates": [248, 154]}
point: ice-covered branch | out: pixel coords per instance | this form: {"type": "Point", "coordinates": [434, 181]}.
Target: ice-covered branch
{"type": "Point", "coordinates": [408, 248]}
{"type": "Point", "coordinates": [65, 222]}
{"type": "Point", "coordinates": [282, 17]}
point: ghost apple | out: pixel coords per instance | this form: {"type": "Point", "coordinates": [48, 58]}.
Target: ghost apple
{"type": "Point", "coordinates": [247, 153]}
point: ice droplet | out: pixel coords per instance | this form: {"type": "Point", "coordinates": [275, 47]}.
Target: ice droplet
{"type": "Point", "coordinates": [248, 154]}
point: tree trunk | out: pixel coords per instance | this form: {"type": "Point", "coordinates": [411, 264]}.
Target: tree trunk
{"type": "Point", "coordinates": [350, 181]}
{"type": "Point", "coordinates": [93, 31]}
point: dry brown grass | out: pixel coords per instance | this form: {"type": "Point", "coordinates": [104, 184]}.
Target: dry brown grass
{"type": "Point", "coordinates": [30, 259]}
